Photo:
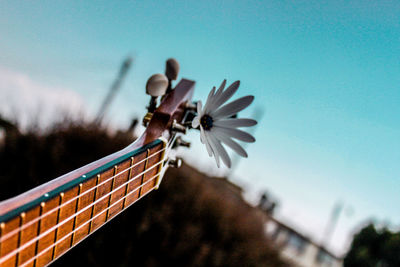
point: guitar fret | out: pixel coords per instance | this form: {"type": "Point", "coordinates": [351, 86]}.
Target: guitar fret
{"type": "Point", "coordinates": [112, 188]}
{"type": "Point", "coordinates": [134, 183]}
{"type": "Point", "coordinates": [145, 168]}
{"type": "Point", "coordinates": [119, 190]}
{"type": "Point", "coordinates": [94, 199]}
{"type": "Point", "coordinates": [152, 170]}
{"type": "Point", "coordinates": [127, 184]}
{"type": "Point", "coordinates": [76, 210]}
{"type": "Point", "coordinates": [10, 244]}
{"type": "Point", "coordinates": [104, 188]}
{"type": "Point", "coordinates": [27, 231]}
{"type": "Point", "coordinates": [66, 220]}
{"type": "Point", "coordinates": [86, 196]}
{"type": "Point", "coordinates": [38, 231]}
{"type": "Point", "coordinates": [160, 167]}
{"type": "Point", "coordinates": [46, 223]}
{"type": "Point", "coordinates": [57, 221]}
{"type": "Point", "coordinates": [21, 222]}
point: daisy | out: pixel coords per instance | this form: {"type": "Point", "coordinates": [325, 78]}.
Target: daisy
{"type": "Point", "coordinates": [217, 126]}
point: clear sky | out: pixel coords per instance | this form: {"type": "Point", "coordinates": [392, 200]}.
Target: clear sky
{"type": "Point", "coordinates": [325, 73]}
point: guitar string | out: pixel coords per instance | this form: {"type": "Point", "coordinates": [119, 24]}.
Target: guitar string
{"type": "Point", "coordinates": [10, 234]}
{"type": "Point", "coordinates": [32, 241]}
{"type": "Point", "coordinates": [96, 228]}
{"type": "Point", "coordinates": [89, 206]}
{"type": "Point", "coordinates": [59, 241]}
{"type": "Point", "coordinates": [5, 237]}
{"type": "Point", "coordinates": [81, 226]}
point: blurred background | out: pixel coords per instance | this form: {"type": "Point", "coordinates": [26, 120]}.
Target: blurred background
{"type": "Point", "coordinates": [322, 180]}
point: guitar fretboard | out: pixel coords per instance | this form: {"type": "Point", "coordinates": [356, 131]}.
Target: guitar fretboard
{"type": "Point", "coordinates": [42, 231]}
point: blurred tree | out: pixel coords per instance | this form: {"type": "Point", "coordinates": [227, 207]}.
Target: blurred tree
{"type": "Point", "coordinates": [192, 220]}
{"type": "Point", "coordinates": [374, 248]}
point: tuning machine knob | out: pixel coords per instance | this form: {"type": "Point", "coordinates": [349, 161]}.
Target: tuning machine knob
{"type": "Point", "coordinates": [147, 118]}
{"type": "Point", "coordinates": [156, 86]}
{"type": "Point", "coordinates": [191, 106]}
{"type": "Point", "coordinates": [171, 71]}
{"type": "Point", "coordinates": [176, 163]}
{"type": "Point", "coordinates": [177, 127]}
{"type": "Point", "coordinates": [180, 142]}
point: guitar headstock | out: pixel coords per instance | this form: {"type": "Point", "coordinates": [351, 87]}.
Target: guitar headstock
{"type": "Point", "coordinates": [169, 117]}
{"type": "Point", "coordinates": [176, 113]}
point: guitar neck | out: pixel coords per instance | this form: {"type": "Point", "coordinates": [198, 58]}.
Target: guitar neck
{"type": "Point", "coordinates": [37, 232]}
{"type": "Point", "coordinates": [37, 227]}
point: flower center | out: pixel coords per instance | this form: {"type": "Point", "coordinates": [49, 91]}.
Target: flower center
{"type": "Point", "coordinates": [207, 122]}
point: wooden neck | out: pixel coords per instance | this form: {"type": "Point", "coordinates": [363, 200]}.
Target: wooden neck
{"type": "Point", "coordinates": [40, 231]}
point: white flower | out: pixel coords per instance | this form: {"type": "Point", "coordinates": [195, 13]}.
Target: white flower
{"type": "Point", "coordinates": [217, 126]}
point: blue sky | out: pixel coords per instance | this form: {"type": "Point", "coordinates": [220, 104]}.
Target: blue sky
{"type": "Point", "coordinates": [326, 74]}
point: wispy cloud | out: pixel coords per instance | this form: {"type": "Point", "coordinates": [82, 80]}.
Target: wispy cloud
{"type": "Point", "coordinates": [25, 100]}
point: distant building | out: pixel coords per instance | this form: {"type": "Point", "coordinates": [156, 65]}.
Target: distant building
{"type": "Point", "coordinates": [292, 245]}
{"type": "Point", "coordinates": [300, 250]}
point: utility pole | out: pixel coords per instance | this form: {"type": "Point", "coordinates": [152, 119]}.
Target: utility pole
{"type": "Point", "coordinates": [113, 90]}
{"type": "Point", "coordinates": [331, 225]}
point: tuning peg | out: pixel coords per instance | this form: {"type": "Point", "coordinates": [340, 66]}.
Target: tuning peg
{"type": "Point", "coordinates": [156, 86]}
{"type": "Point", "coordinates": [180, 142]}
{"type": "Point", "coordinates": [192, 106]}
{"type": "Point", "coordinates": [147, 118]}
{"type": "Point", "coordinates": [177, 127]}
{"type": "Point", "coordinates": [171, 71]}
{"type": "Point", "coordinates": [176, 163]}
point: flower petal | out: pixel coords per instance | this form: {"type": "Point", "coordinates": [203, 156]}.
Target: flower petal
{"type": "Point", "coordinates": [196, 122]}
{"type": "Point", "coordinates": [212, 106]}
{"type": "Point", "coordinates": [221, 150]}
{"type": "Point", "coordinates": [232, 144]}
{"type": "Point", "coordinates": [234, 123]}
{"type": "Point", "coordinates": [212, 144]}
{"type": "Point", "coordinates": [226, 95]}
{"type": "Point", "coordinates": [232, 108]}
{"type": "Point", "coordinates": [220, 89]}
{"type": "Point", "coordinates": [235, 133]}
{"type": "Point", "coordinates": [209, 100]}
{"type": "Point", "coordinates": [209, 149]}
{"type": "Point", "coordinates": [204, 140]}
{"type": "Point", "coordinates": [202, 135]}
{"type": "Point", "coordinates": [199, 108]}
